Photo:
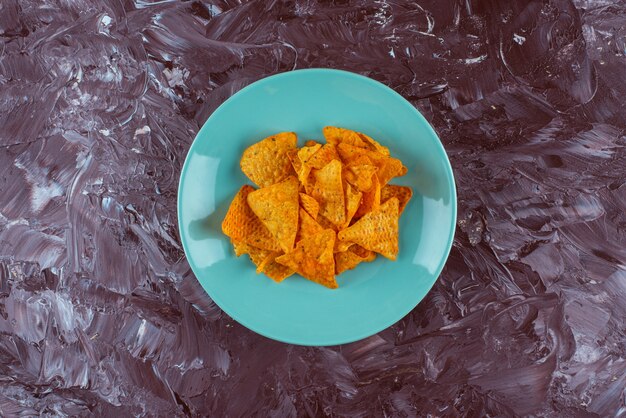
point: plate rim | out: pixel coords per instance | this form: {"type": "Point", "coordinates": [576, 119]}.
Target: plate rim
{"type": "Point", "coordinates": [441, 150]}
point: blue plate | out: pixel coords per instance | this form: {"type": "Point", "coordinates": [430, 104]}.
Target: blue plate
{"type": "Point", "coordinates": [371, 297]}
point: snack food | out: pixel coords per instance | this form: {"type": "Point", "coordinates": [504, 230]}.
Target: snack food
{"type": "Point", "coordinates": [320, 209]}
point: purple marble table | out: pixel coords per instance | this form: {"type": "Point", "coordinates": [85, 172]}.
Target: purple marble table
{"type": "Point", "coordinates": [100, 313]}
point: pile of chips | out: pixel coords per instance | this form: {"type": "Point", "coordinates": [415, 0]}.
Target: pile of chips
{"type": "Point", "coordinates": [319, 210]}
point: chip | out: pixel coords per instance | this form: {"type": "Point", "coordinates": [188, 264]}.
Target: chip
{"type": "Point", "coordinates": [376, 231]}
{"type": "Point", "coordinates": [374, 145]}
{"type": "Point", "coordinates": [305, 153]}
{"type": "Point", "coordinates": [353, 200]}
{"type": "Point", "coordinates": [336, 135]}
{"type": "Point", "coordinates": [341, 246]}
{"type": "Point", "coordinates": [274, 270]}
{"type": "Point", "coordinates": [268, 257]}
{"type": "Point", "coordinates": [310, 205]}
{"type": "Point", "coordinates": [359, 173]}
{"type": "Point", "coordinates": [388, 168]}
{"type": "Point", "coordinates": [403, 194]}
{"type": "Point", "coordinates": [370, 201]}
{"type": "Point", "coordinates": [359, 160]}
{"type": "Point", "coordinates": [267, 162]}
{"type": "Point", "coordinates": [365, 254]}
{"type": "Point", "coordinates": [240, 247]}
{"type": "Point", "coordinates": [307, 226]}
{"type": "Point", "coordinates": [292, 154]}
{"type": "Point", "coordinates": [349, 153]}
{"type": "Point", "coordinates": [277, 207]}
{"type": "Point", "coordinates": [243, 226]}
{"type": "Point", "coordinates": [309, 184]}
{"type": "Point", "coordinates": [313, 258]}
{"type": "Point", "coordinates": [328, 191]}
{"type": "Point", "coordinates": [264, 260]}
{"type": "Point", "coordinates": [323, 156]}
{"type": "Point", "coordinates": [303, 156]}
{"type": "Point", "coordinates": [347, 260]}
{"type": "Point", "coordinates": [258, 255]}
{"type": "Point", "coordinates": [326, 224]}
{"type": "Point", "coordinates": [321, 209]}
{"type": "Point", "coordinates": [277, 272]}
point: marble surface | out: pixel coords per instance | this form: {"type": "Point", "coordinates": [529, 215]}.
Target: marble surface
{"type": "Point", "coordinates": [100, 313]}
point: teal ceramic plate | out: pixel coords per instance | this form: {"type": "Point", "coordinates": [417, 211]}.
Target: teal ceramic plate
{"type": "Point", "coordinates": [371, 297]}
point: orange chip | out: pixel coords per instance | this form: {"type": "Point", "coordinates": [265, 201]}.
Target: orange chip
{"type": "Point", "coordinates": [403, 194]}
{"type": "Point", "coordinates": [309, 184]}
{"type": "Point", "coordinates": [277, 207]}
{"type": "Point", "coordinates": [307, 226]}
{"type": "Point", "coordinates": [362, 252]}
{"type": "Point", "coordinates": [353, 200]}
{"type": "Point", "coordinates": [321, 209]}
{"type": "Point", "coordinates": [346, 260]}
{"type": "Point", "coordinates": [271, 255]}
{"type": "Point", "coordinates": [305, 153]}
{"type": "Point", "coordinates": [370, 201]}
{"type": "Point", "coordinates": [240, 247]}
{"type": "Point", "coordinates": [349, 259]}
{"type": "Point", "coordinates": [336, 135]}
{"type": "Point", "coordinates": [292, 154]}
{"type": "Point", "coordinates": [349, 153]}
{"type": "Point", "coordinates": [328, 191]}
{"type": "Point", "coordinates": [388, 168]}
{"type": "Point", "coordinates": [360, 160]}
{"type": "Point", "coordinates": [376, 231]}
{"type": "Point", "coordinates": [309, 204]}
{"type": "Point", "coordinates": [243, 226]}
{"type": "Point", "coordinates": [302, 168]}
{"type": "Point", "coordinates": [313, 258]}
{"type": "Point", "coordinates": [359, 173]}
{"type": "Point", "coordinates": [374, 145]}
{"type": "Point", "coordinates": [274, 270]}
{"type": "Point", "coordinates": [323, 156]}
{"type": "Point", "coordinates": [326, 224]}
{"type": "Point", "coordinates": [341, 246]}
{"type": "Point", "coordinates": [277, 272]}
{"type": "Point", "coordinates": [257, 255]}
{"type": "Point", "coordinates": [267, 162]}
{"type": "Point", "coordinates": [362, 179]}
